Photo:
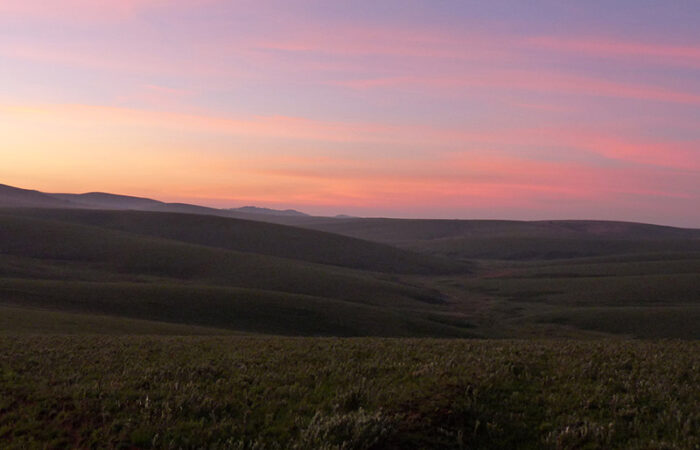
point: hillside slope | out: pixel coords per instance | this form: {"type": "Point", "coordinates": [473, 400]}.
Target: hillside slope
{"type": "Point", "coordinates": [500, 239]}
{"type": "Point", "coordinates": [97, 249]}
{"type": "Point", "coordinates": [76, 268]}
{"type": "Point", "coordinates": [24, 198]}
{"type": "Point", "coordinates": [257, 237]}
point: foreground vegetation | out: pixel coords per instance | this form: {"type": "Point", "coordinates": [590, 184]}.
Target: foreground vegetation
{"type": "Point", "coordinates": [271, 392]}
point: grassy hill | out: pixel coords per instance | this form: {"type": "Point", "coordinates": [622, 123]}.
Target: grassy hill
{"type": "Point", "coordinates": [91, 301]}
{"type": "Point", "coordinates": [514, 240]}
{"type": "Point", "coordinates": [79, 268]}
{"type": "Point", "coordinates": [98, 249]}
{"type": "Point", "coordinates": [458, 240]}
{"type": "Point", "coordinates": [243, 310]}
{"type": "Point", "coordinates": [256, 277]}
{"type": "Point", "coordinates": [31, 321]}
{"type": "Point", "coordinates": [642, 295]}
{"type": "Point", "coordinates": [346, 276]}
{"type": "Point", "coordinates": [257, 237]}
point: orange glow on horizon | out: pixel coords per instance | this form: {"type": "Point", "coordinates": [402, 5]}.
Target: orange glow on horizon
{"type": "Point", "coordinates": [449, 110]}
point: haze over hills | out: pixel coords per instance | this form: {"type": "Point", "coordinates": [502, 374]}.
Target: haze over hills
{"type": "Point", "coordinates": [389, 230]}
{"type": "Point", "coordinates": [25, 198]}
{"type": "Point", "coordinates": [457, 239]}
{"type": "Point", "coordinates": [104, 200]}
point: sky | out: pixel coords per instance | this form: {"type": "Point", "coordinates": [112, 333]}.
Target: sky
{"type": "Point", "coordinates": [437, 109]}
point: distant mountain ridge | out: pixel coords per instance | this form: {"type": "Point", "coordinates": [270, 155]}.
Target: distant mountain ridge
{"type": "Point", "coordinates": [269, 211]}
{"type": "Point", "coordinates": [463, 239]}
{"type": "Point", "coordinates": [103, 199]}
{"type": "Point", "coordinates": [14, 197]}
{"type": "Point", "coordinates": [26, 198]}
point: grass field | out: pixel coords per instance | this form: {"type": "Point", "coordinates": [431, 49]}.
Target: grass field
{"type": "Point", "coordinates": [463, 240]}
{"type": "Point", "coordinates": [642, 295]}
{"type": "Point", "coordinates": [75, 249]}
{"type": "Point", "coordinates": [264, 278]}
{"type": "Point", "coordinates": [125, 329]}
{"type": "Point", "coordinates": [244, 392]}
{"type": "Point", "coordinates": [255, 237]}
{"type": "Point", "coordinates": [229, 308]}
{"type": "Point", "coordinates": [30, 321]}
{"type": "Point", "coordinates": [654, 322]}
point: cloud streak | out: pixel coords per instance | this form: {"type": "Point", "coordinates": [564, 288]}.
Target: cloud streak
{"type": "Point", "coordinates": [326, 106]}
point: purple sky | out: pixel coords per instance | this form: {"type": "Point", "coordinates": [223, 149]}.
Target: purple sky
{"type": "Point", "coordinates": [499, 109]}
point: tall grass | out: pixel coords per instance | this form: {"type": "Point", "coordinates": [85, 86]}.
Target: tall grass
{"type": "Point", "coordinates": [243, 392]}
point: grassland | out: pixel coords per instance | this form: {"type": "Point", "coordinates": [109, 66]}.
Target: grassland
{"type": "Point", "coordinates": [84, 268]}
{"type": "Point", "coordinates": [256, 237]}
{"type": "Point", "coordinates": [254, 277]}
{"type": "Point", "coordinates": [643, 296]}
{"type": "Point", "coordinates": [126, 329]}
{"type": "Point", "coordinates": [78, 251]}
{"type": "Point", "coordinates": [31, 321]}
{"type": "Point", "coordinates": [244, 392]}
{"type": "Point", "coordinates": [229, 308]}
{"type": "Point", "coordinates": [515, 240]}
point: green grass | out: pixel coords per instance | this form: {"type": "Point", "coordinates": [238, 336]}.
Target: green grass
{"type": "Point", "coordinates": [90, 302]}
{"type": "Point", "coordinates": [228, 308]}
{"type": "Point", "coordinates": [547, 247]}
{"type": "Point", "coordinates": [579, 290]}
{"type": "Point", "coordinates": [688, 263]}
{"type": "Point", "coordinates": [241, 392]}
{"type": "Point", "coordinates": [655, 322]}
{"type": "Point", "coordinates": [650, 295]}
{"type": "Point", "coordinates": [515, 240]}
{"type": "Point", "coordinates": [256, 237]}
{"type": "Point", "coordinates": [218, 272]}
{"type": "Point", "coordinates": [79, 247]}
{"type": "Point", "coordinates": [18, 321]}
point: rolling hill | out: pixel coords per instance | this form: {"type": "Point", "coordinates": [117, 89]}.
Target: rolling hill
{"type": "Point", "coordinates": [191, 266]}
{"type": "Point", "coordinates": [257, 237]}
{"type": "Point", "coordinates": [102, 200]}
{"type": "Point", "coordinates": [22, 198]}
{"type": "Point", "coordinates": [14, 197]}
{"type": "Point", "coordinates": [81, 247]}
{"type": "Point", "coordinates": [459, 240]}
{"type": "Point", "coordinates": [515, 240]}
{"type": "Point", "coordinates": [77, 268]}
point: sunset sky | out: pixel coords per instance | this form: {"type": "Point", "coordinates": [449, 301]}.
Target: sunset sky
{"type": "Point", "coordinates": [446, 109]}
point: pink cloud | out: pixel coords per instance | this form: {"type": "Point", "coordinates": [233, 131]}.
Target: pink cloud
{"type": "Point", "coordinates": [473, 177]}
{"type": "Point", "coordinates": [264, 126]}
{"type": "Point", "coordinates": [538, 81]}
{"type": "Point", "coordinates": [156, 96]}
{"type": "Point", "coordinates": [619, 145]}
{"type": "Point", "coordinates": [647, 52]}
{"type": "Point", "coordinates": [361, 40]}
{"type": "Point", "coordinates": [89, 11]}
